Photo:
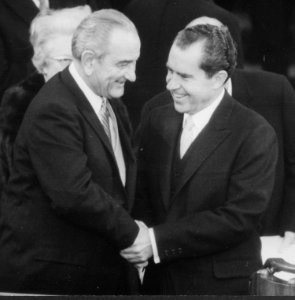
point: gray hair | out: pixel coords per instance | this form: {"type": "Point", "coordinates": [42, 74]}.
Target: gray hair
{"type": "Point", "coordinates": [93, 33]}
{"type": "Point", "coordinates": [51, 24]}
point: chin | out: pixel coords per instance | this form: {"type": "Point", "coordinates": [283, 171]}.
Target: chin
{"type": "Point", "coordinates": [179, 108]}
{"type": "Point", "coordinates": [118, 93]}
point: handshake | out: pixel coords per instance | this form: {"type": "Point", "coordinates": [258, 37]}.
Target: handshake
{"type": "Point", "coordinates": [141, 250]}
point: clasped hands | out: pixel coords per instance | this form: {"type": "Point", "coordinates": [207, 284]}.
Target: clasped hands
{"type": "Point", "coordinates": [141, 250]}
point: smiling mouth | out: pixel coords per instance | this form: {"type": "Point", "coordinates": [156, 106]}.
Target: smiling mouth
{"type": "Point", "coordinates": [178, 97]}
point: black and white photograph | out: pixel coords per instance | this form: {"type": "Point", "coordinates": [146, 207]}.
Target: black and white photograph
{"type": "Point", "coordinates": [147, 148]}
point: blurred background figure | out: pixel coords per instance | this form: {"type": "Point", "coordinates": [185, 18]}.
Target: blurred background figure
{"type": "Point", "coordinates": [158, 22]}
{"type": "Point", "coordinates": [51, 34]}
{"type": "Point", "coordinates": [51, 37]}
{"type": "Point", "coordinates": [268, 33]}
{"type": "Point", "coordinates": [15, 48]}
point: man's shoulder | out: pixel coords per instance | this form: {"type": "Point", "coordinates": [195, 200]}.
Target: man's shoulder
{"type": "Point", "coordinates": [54, 97]}
{"type": "Point", "coordinates": [262, 89]}
{"type": "Point", "coordinates": [247, 118]}
{"type": "Point", "coordinates": [258, 77]}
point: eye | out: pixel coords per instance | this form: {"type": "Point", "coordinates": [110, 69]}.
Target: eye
{"type": "Point", "coordinates": [123, 64]}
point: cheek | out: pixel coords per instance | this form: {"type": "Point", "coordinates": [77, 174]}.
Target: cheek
{"type": "Point", "coordinates": [53, 69]}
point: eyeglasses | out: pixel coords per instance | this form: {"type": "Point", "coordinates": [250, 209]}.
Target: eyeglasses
{"type": "Point", "coordinates": [60, 59]}
{"type": "Point", "coordinates": [59, 62]}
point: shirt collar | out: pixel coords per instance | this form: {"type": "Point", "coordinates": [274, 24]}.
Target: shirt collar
{"type": "Point", "coordinates": [202, 117]}
{"type": "Point", "coordinates": [38, 3]}
{"type": "Point", "coordinates": [229, 86]}
{"type": "Point", "coordinates": [94, 99]}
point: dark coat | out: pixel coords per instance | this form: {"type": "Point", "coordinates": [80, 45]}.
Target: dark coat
{"type": "Point", "coordinates": [15, 102]}
{"type": "Point", "coordinates": [64, 213]}
{"type": "Point", "coordinates": [158, 22]}
{"type": "Point", "coordinates": [272, 96]}
{"type": "Point", "coordinates": [205, 209]}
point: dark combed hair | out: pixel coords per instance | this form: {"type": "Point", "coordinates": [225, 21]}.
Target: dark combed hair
{"type": "Point", "coordinates": [220, 52]}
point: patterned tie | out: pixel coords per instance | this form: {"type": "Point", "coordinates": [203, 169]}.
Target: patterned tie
{"type": "Point", "coordinates": [104, 118]}
{"type": "Point", "coordinates": [186, 136]}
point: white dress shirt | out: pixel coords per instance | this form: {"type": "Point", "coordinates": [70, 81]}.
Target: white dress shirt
{"type": "Point", "coordinates": [96, 101]}
{"type": "Point", "coordinates": [39, 3]}
{"type": "Point", "coordinates": [200, 120]}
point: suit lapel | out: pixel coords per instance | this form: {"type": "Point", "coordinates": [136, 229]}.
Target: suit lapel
{"type": "Point", "coordinates": [86, 109]}
{"type": "Point", "coordinates": [171, 130]}
{"type": "Point", "coordinates": [25, 9]}
{"type": "Point", "coordinates": [206, 143]}
{"type": "Point", "coordinates": [128, 153]}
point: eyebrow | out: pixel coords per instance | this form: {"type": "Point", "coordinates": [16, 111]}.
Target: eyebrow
{"type": "Point", "coordinates": [179, 73]}
{"type": "Point", "coordinates": [128, 61]}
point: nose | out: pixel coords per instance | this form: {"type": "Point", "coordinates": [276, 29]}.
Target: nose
{"type": "Point", "coordinates": [130, 73]}
{"type": "Point", "coordinates": [171, 82]}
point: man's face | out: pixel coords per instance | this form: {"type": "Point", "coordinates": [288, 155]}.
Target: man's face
{"type": "Point", "coordinates": [113, 70]}
{"type": "Point", "coordinates": [189, 85]}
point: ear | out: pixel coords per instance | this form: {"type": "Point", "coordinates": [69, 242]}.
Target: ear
{"type": "Point", "coordinates": [87, 62]}
{"type": "Point", "coordinates": [219, 79]}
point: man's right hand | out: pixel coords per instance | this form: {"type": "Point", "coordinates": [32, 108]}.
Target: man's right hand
{"type": "Point", "coordinates": [141, 250]}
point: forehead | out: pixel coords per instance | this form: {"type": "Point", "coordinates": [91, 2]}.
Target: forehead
{"type": "Point", "coordinates": [124, 44]}
{"type": "Point", "coordinates": [185, 60]}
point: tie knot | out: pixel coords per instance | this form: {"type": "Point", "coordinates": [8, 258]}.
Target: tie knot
{"type": "Point", "coordinates": [188, 123]}
{"type": "Point", "coordinates": [104, 108]}
{"type": "Point", "coordinates": [43, 5]}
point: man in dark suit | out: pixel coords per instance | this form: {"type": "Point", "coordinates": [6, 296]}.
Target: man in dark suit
{"type": "Point", "coordinates": [272, 96]}
{"type": "Point", "coordinates": [15, 48]}
{"type": "Point", "coordinates": [158, 22]}
{"type": "Point", "coordinates": [64, 213]}
{"type": "Point", "coordinates": [205, 176]}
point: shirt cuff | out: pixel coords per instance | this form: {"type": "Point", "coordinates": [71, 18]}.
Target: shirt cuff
{"type": "Point", "coordinates": [154, 246]}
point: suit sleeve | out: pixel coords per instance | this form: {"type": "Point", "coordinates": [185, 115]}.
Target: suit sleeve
{"type": "Point", "coordinates": [56, 148]}
{"type": "Point", "coordinates": [288, 212]}
{"type": "Point", "coordinates": [220, 228]}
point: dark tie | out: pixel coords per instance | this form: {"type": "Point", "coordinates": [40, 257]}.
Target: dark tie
{"type": "Point", "coordinates": [104, 117]}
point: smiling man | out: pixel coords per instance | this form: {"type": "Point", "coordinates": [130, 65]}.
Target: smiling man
{"type": "Point", "coordinates": [206, 173]}
{"type": "Point", "coordinates": [64, 214]}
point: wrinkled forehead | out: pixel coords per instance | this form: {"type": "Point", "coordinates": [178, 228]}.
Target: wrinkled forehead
{"type": "Point", "coordinates": [124, 43]}
{"type": "Point", "coordinates": [122, 35]}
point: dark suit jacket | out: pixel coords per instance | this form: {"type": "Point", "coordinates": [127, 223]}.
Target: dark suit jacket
{"type": "Point", "coordinates": [158, 22]}
{"type": "Point", "coordinates": [64, 214]}
{"type": "Point", "coordinates": [205, 209]}
{"type": "Point", "coordinates": [272, 96]}
{"type": "Point", "coordinates": [15, 48]}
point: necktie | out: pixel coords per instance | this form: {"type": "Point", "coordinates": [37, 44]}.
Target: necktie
{"type": "Point", "coordinates": [186, 136]}
{"type": "Point", "coordinates": [44, 5]}
{"type": "Point", "coordinates": [104, 118]}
